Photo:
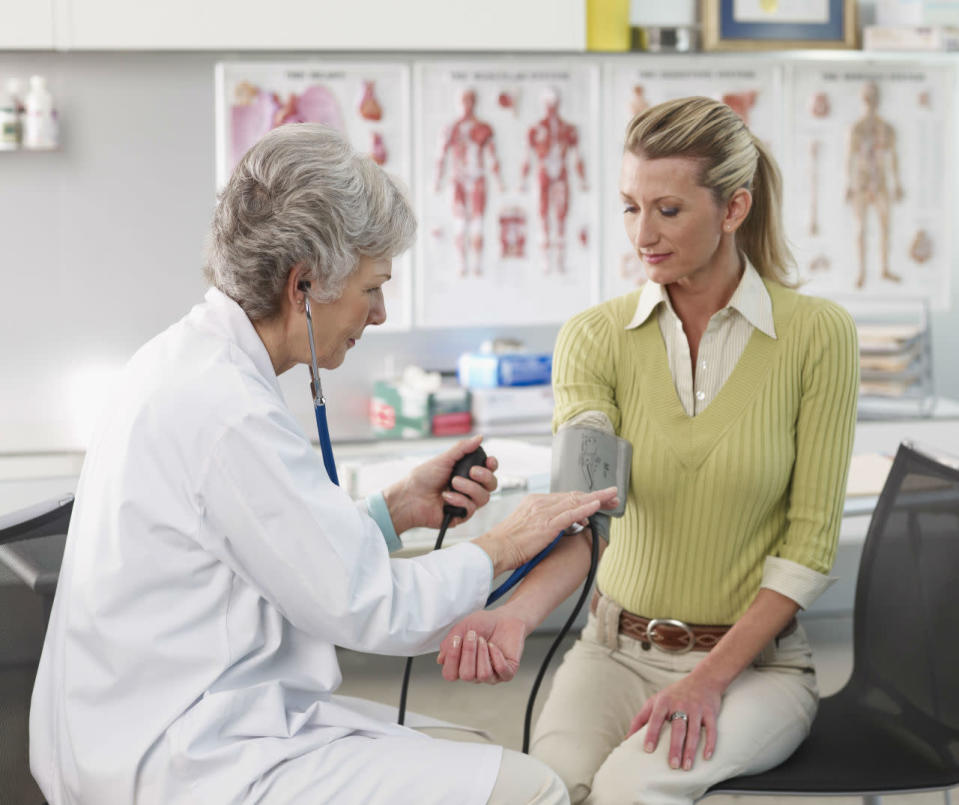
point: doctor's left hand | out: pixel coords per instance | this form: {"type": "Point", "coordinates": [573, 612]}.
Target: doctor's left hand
{"type": "Point", "coordinates": [417, 500]}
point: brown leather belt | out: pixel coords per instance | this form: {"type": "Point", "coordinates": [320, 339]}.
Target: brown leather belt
{"type": "Point", "coordinates": [673, 635]}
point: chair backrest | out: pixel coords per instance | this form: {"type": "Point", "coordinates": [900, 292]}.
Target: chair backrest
{"type": "Point", "coordinates": [38, 520]}
{"type": "Point", "coordinates": [21, 631]}
{"type": "Point", "coordinates": [906, 621]}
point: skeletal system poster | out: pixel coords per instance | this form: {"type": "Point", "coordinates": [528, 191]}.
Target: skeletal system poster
{"type": "Point", "coordinates": [753, 90]}
{"type": "Point", "coordinates": [368, 102]}
{"type": "Point", "coordinates": [868, 208]}
{"type": "Point", "coordinates": [507, 170]}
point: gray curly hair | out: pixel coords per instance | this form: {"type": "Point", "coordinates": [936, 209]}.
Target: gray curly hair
{"type": "Point", "coordinates": [302, 196]}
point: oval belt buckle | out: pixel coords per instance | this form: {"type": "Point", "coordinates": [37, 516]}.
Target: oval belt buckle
{"type": "Point", "coordinates": [651, 626]}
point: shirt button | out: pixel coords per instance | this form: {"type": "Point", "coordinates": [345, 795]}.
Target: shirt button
{"type": "Point", "coordinates": [700, 395]}
{"type": "Point", "coordinates": [702, 365]}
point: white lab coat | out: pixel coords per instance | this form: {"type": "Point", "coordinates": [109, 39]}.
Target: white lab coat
{"type": "Point", "coordinates": [211, 567]}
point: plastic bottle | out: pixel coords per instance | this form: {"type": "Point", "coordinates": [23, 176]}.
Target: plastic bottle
{"type": "Point", "coordinates": [40, 130]}
{"type": "Point", "coordinates": [9, 121]}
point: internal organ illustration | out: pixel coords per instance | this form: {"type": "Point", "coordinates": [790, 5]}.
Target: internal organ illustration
{"type": "Point", "coordinates": [512, 232]}
{"type": "Point", "coordinates": [921, 248]}
{"type": "Point", "coordinates": [508, 100]}
{"type": "Point", "coordinates": [316, 104]}
{"type": "Point", "coordinates": [819, 105]}
{"type": "Point", "coordinates": [370, 108]}
{"type": "Point", "coordinates": [741, 103]}
{"type": "Point", "coordinates": [256, 111]}
{"type": "Point", "coordinates": [638, 101]}
{"type": "Point", "coordinates": [378, 148]}
{"type": "Point", "coordinates": [467, 144]}
{"type": "Point", "coordinates": [872, 178]}
{"type": "Point", "coordinates": [552, 141]}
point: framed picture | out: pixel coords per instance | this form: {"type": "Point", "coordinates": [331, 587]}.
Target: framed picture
{"type": "Point", "coordinates": [778, 24]}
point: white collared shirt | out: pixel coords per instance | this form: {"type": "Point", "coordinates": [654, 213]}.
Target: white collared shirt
{"type": "Point", "coordinates": [722, 345]}
{"type": "Point", "coordinates": [750, 308]}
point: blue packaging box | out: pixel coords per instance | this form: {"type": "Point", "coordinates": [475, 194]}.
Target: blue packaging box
{"type": "Point", "coordinates": [477, 370]}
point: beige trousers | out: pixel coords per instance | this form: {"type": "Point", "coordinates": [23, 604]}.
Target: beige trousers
{"type": "Point", "coordinates": [603, 682]}
{"type": "Point", "coordinates": [524, 780]}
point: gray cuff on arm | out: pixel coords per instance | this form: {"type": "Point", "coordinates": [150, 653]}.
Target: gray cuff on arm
{"type": "Point", "coordinates": [376, 506]}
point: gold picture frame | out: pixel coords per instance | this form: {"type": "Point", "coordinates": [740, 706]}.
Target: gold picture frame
{"type": "Point", "coordinates": [722, 31]}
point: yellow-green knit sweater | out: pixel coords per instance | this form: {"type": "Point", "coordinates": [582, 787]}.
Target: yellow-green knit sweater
{"type": "Point", "coordinates": [760, 472]}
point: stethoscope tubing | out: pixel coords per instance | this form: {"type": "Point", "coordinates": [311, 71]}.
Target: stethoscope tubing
{"type": "Point", "coordinates": [319, 403]}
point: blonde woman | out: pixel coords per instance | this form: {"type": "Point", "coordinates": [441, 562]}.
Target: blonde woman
{"type": "Point", "coordinates": [739, 397]}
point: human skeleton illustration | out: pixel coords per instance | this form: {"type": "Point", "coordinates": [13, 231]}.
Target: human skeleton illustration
{"type": "Point", "coordinates": [467, 143]}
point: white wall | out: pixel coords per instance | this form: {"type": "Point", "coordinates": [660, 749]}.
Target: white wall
{"type": "Point", "coordinates": [101, 245]}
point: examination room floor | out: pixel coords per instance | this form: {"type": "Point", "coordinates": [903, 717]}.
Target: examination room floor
{"type": "Point", "coordinates": [499, 709]}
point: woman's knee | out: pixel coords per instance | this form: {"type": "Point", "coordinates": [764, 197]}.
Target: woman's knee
{"type": "Point", "coordinates": [572, 758]}
{"type": "Point", "coordinates": [525, 780]}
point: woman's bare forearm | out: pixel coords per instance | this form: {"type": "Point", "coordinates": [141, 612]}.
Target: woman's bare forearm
{"type": "Point", "coordinates": [552, 581]}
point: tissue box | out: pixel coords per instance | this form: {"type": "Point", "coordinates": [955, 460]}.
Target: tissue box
{"type": "Point", "coordinates": [480, 370]}
{"type": "Point", "coordinates": [401, 411]}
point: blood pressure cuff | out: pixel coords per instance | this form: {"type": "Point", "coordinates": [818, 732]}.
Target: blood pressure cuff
{"type": "Point", "coordinates": [587, 458]}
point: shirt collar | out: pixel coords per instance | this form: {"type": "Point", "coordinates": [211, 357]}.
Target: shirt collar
{"type": "Point", "coordinates": [751, 299]}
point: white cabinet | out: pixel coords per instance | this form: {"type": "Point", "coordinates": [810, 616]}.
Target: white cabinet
{"type": "Point", "coordinates": [26, 24]}
{"type": "Point", "coordinates": [491, 25]}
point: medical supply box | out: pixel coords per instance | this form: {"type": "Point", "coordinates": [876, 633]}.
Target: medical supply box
{"type": "Point", "coordinates": [399, 410]}
{"type": "Point", "coordinates": [509, 406]}
{"type": "Point", "coordinates": [482, 370]}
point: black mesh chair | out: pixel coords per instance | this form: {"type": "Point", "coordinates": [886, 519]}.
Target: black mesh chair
{"type": "Point", "coordinates": [31, 545]}
{"type": "Point", "coordinates": [894, 727]}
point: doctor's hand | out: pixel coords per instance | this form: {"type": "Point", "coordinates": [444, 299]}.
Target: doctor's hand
{"type": "Point", "coordinates": [483, 647]}
{"type": "Point", "coordinates": [417, 500]}
{"type": "Point", "coordinates": [535, 523]}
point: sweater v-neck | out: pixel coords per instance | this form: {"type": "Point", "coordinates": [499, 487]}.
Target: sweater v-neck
{"type": "Point", "coordinates": [692, 438]}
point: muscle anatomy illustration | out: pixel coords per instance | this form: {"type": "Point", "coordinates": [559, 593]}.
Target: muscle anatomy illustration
{"type": "Point", "coordinates": [468, 146]}
{"type": "Point", "coordinates": [552, 142]}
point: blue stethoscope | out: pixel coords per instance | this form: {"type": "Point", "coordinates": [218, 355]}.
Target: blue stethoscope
{"type": "Point", "coordinates": [319, 403]}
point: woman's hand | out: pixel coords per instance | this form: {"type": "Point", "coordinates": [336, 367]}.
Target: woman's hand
{"type": "Point", "coordinates": [417, 500]}
{"type": "Point", "coordinates": [700, 700]}
{"type": "Point", "coordinates": [483, 647]}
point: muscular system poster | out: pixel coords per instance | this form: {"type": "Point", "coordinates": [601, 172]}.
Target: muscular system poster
{"type": "Point", "coordinates": [368, 102]}
{"type": "Point", "coordinates": [507, 191]}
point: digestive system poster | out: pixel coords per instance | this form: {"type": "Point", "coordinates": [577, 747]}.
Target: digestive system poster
{"type": "Point", "coordinates": [367, 102]}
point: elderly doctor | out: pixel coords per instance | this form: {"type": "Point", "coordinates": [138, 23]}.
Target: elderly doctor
{"type": "Point", "coordinates": [212, 566]}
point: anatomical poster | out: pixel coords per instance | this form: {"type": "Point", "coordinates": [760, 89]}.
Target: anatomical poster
{"type": "Point", "coordinates": [753, 89]}
{"type": "Point", "coordinates": [869, 175]}
{"type": "Point", "coordinates": [507, 171]}
{"type": "Point", "coordinates": [368, 102]}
